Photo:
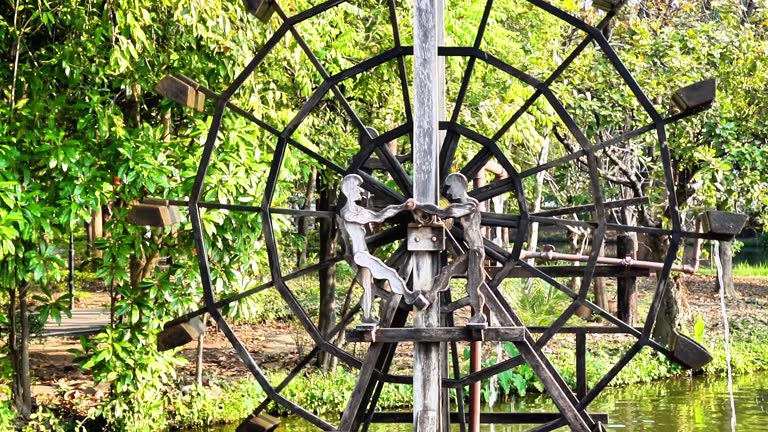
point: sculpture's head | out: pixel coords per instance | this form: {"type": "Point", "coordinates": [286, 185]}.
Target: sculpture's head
{"type": "Point", "coordinates": [456, 186]}
{"type": "Point", "coordinates": [350, 187]}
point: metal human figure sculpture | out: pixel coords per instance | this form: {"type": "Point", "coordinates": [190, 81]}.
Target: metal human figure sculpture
{"type": "Point", "coordinates": [466, 211]}
{"type": "Point", "coordinates": [352, 221]}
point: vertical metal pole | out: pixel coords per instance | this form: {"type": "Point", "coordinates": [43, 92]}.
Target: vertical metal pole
{"type": "Point", "coordinates": [71, 280]}
{"type": "Point", "coordinates": [474, 390]}
{"type": "Point", "coordinates": [426, 356]}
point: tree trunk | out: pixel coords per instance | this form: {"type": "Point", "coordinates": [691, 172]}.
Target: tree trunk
{"type": "Point", "coordinates": [533, 239]}
{"type": "Point", "coordinates": [199, 358]}
{"type": "Point", "coordinates": [142, 267]}
{"type": "Point", "coordinates": [96, 230]}
{"type": "Point", "coordinates": [18, 347]}
{"type": "Point", "coordinates": [166, 126]}
{"type": "Point", "coordinates": [303, 228]}
{"type": "Point", "coordinates": [327, 319]}
{"type": "Point", "coordinates": [112, 303]}
{"type": "Point", "coordinates": [725, 249]}
{"type": "Point", "coordinates": [601, 293]}
{"type": "Point", "coordinates": [749, 10]}
{"type": "Point", "coordinates": [667, 322]}
{"type": "Point", "coordinates": [598, 283]}
{"type": "Point", "coordinates": [573, 239]}
{"type": "Point", "coordinates": [626, 290]}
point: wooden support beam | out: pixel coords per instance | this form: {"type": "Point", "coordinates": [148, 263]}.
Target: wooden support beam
{"type": "Point", "coordinates": [630, 202]}
{"type": "Point", "coordinates": [427, 25]}
{"type": "Point", "coordinates": [153, 212]}
{"type": "Point", "coordinates": [436, 334]}
{"type": "Point", "coordinates": [181, 92]}
{"type": "Point", "coordinates": [573, 271]}
{"type": "Point", "coordinates": [585, 330]}
{"type": "Point", "coordinates": [180, 334]}
{"type": "Point", "coordinates": [486, 418]}
{"type": "Point", "coordinates": [259, 423]}
{"type": "Point", "coordinates": [581, 365]}
{"type": "Point", "coordinates": [553, 383]}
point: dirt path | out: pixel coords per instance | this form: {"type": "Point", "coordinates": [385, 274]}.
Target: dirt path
{"type": "Point", "coordinates": [279, 345]}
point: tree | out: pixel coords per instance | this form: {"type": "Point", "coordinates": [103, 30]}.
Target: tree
{"type": "Point", "coordinates": [715, 154]}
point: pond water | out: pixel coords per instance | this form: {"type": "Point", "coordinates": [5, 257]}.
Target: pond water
{"type": "Point", "coordinates": [681, 405]}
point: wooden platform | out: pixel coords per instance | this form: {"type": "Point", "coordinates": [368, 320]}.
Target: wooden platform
{"type": "Point", "coordinates": [82, 322]}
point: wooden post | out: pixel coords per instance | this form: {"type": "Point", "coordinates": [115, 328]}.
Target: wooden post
{"type": "Point", "coordinates": [475, 350]}
{"type": "Point", "coordinates": [199, 357]}
{"type": "Point", "coordinates": [426, 355]}
{"type": "Point", "coordinates": [581, 365]}
{"type": "Point", "coordinates": [71, 276]}
{"type": "Point", "coordinates": [475, 357]}
{"type": "Point", "coordinates": [626, 298]}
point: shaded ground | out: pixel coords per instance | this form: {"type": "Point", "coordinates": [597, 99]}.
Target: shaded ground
{"type": "Point", "coordinates": [703, 300]}
{"type": "Point", "coordinates": [280, 345]}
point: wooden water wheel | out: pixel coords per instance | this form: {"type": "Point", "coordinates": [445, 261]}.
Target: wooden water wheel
{"type": "Point", "coordinates": [383, 163]}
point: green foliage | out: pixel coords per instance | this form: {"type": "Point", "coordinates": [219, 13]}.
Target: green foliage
{"type": "Point", "coordinates": [83, 129]}
{"type": "Point", "coordinates": [510, 383]}
{"type": "Point", "coordinates": [743, 269]}
{"type": "Point", "coordinates": [127, 357]}
{"type": "Point", "coordinates": [750, 270]}
{"type": "Point", "coordinates": [140, 410]}
{"type": "Point", "coordinates": [84, 281]}
{"type": "Point", "coordinates": [46, 420]}
{"type": "Point", "coordinates": [328, 392]}
{"type": "Point", "coordinates": [537, 303]}
{"type": "Point", "coordinates": [7, 415]}
{"type": "Point", "coordinates": [319, 392]}
{"type": "Point", "coordinates": [749, 347]}
{"type": "Point", "coordinates": [223, 403]}
{"type": "Point", "coordinates": [698, 330]}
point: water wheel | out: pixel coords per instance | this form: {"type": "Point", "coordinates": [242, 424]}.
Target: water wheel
{"type": "Point", "coordinates": [492, 155]}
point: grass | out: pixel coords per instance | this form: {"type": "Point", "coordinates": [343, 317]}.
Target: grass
{"type": "Point", "coordinates": [742, 270]}
{"type": "Point", "coordinates": [754, 270]}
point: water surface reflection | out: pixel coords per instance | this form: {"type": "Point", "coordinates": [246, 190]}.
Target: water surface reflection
{"type": "Point", "coordinates": [681, 405]}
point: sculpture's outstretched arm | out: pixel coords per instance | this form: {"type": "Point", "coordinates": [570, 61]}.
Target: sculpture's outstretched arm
{"type": "Point", "coordinates": [362, 216]}
{"type": "Point", "coordinates": [455, 210]}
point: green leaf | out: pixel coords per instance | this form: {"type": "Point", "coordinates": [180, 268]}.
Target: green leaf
{"type": "Point", "coordinates": [698, 330]}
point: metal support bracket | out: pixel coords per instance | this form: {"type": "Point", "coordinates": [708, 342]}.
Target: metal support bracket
{"type": "Point", "coordinates": [426, 238]}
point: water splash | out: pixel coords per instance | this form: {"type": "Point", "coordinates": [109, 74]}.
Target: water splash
{"type": "Point", "coordinates": [726, 331]}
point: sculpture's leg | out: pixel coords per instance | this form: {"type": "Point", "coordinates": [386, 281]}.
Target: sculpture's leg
{"type": "Point", "coordinates": [381, 271]}
{"type": "Point", "coordinates": [366, 301]}
{"type": "Point", "coordinates": [456, 268]}
{"type": "Point", "coordinates": [475, 278]}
